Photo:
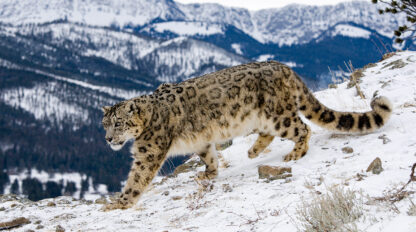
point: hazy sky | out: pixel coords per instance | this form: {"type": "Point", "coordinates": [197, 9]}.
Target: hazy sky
{"type": "Point", "coordinates": [263, 4]}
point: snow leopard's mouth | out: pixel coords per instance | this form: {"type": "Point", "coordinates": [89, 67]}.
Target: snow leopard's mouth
{"type": "Point", "coordinates": [117, 145]}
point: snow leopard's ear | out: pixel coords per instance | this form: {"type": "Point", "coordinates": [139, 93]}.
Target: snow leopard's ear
{"type": "Point", "coordinates": [105, 109]}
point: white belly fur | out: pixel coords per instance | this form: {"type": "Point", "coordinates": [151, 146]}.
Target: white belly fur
{"type": "Point", "coordinates": [190, 143]}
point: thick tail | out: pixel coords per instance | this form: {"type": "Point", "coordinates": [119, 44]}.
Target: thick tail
{"type": "Point", "coordinates": [344, 121]}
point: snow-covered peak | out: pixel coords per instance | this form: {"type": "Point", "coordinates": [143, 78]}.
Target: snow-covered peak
{"type": "Point", "coordinates": [288, 25]}
{"type": "Point", "coordinates": [91, 12]}
{"type": "Point", "coordinates": [184, 28]}
{"type": "Point", "coordinates": [295, 24]}
{"type": "Point", "coordinates": [351, 31]}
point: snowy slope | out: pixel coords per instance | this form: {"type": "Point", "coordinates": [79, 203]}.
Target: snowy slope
{"type": "Point", "coordinates": [186, 28]}
{"type": "Point", "coordinates": [181, 58]}
{"type": "Point", "coordinates": [250, 204]}
{"type": "Point", "coordinates": [351, 31]}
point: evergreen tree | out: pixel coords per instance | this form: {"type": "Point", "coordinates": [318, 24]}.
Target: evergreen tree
{"type": "Point", "coordinates": [4, 179]}
{"type": "Point", "coordinates": [400, 6]}
{"type": "Point", "coordinates": [32, 188]}
{"type": "Point", "coordinates": [15, 187]}
{"type": "Point", "coordinates": [84, 187]}
{"type": "Point", "coordinates": [53, 189]}
{"type": "Point", "coordinates": [70, 188]}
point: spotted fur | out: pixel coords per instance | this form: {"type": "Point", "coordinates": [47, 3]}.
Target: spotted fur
{"type": "Point", "coordinates": [191, 116]}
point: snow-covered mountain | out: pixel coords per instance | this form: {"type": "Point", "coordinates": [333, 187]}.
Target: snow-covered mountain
{"type": "Point", "coordinates": [288, 25]}
{"type": "Point", "coordinates": [130, 51]}
{"type": "Point", "coordinates": [237, 200]}
{"type": "Point", "coordinates": [91, 12]}
{"type": "Point", "coordinates": [275, 33]}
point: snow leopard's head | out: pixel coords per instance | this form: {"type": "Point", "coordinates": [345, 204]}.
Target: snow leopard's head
{"type": "Point", "coordinates": [121, 122]}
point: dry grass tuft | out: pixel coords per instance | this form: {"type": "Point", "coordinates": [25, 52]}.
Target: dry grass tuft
{"type": "Point", "coordinates": [337, 210]}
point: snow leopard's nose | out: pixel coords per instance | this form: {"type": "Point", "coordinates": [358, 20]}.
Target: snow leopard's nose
{"type": "Point", "coordinates": [109, 139]}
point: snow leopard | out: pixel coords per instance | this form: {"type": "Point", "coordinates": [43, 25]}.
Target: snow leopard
{"type": "Point", "coordinates": [192, 116]}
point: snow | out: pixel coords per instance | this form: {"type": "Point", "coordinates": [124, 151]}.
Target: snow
{"type": "Point", "coordinates": [292, 64]}
{"type": "Point", "coordinates": [172, 60]}
{"type": "Point", "coordinates": [265, 57]}
{"type": "Point", "coordinates": [292, 24]}
{"type": "Point", "coordinates": [93, 12]}
{"type": "Point", "coordinates": [351, 31]}
{"type": "Point", "coordinates": [41, 101]}
{"type": "Point", "coordinates": [237, 48]}
{"type": "Point", "coordinates": [182, 58]}
{"type": "Point", "coordinates": [62, 178]}
{"type": "Point", "coordinates": [114, 46]}
{"type": "Point", "coordinates": [257, 205]}
{"type": "Point", "coordinates": [5, 146]}
{"type": "Point", "coordinates": [295, 24]}
{"type": "Point", "coordinates": [189, 28]}
{"type": "Point", "coordinates": [125, 94]}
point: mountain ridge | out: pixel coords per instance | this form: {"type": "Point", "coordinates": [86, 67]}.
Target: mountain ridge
{"type": "Point", "coordinates": [296, 23]}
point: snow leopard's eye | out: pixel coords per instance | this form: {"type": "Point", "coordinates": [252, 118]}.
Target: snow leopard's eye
{"type": "Point", "coordinates": [117, 124]}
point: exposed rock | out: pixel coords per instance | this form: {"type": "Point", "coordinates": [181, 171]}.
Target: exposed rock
{"type": "Point", "coordinates": [358, 73]}
{"type": "Point", "coordinates": [165, 193]}
{"type": "Point", "coordinates": [360, 177]}
{"type": "Point", "coordinates": [14, 223]}
{"type": "Point", "coordinates": [39, 227]}
{"type": "Point", "coordinates": [64, 201]}
{"type": "Point", "coordinates": [332, 86]}
{"type": "Point", "coordinates": [101, 200]}
{"type": "Point", "coordinates": [175, 198]}
{"type": "Point", "coordinates": [86, 202]}
{"type": "Point", "coordinates": [395, 64]}
{"type": "Point", "coordinates": [65, 216]}
{"type": "Point", "coordinates": [388, 55]}
{"type": "Point", "coordinates": [115, 196]}
{"type": "Point", "coordinates": [51, 204]}
{"type": "Point", "coordinates": [8, 197]}
{"type": "Point", "coordinates": [369, 65]}
{"type": "Point", "coordinates": [384, 138]}
{"type": "Point", "coordinates": [347, 150]}
{"type": "Point", "coordinates": [59, 228]}
{"type": "Point", "coordinates": [226, 188]}
{"type": "Point", "coordinates": [188, 166]}
{"type": "Point", "coordinates": [375, 166]}
{"type": "Point", "coordinates": [274, 172]}
{"type": "Point", "coordinates": [223, 146]}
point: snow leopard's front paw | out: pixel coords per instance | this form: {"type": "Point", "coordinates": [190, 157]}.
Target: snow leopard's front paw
{"type": "Point", "coordinates": [111, 206]}
{"type": "Point", "coordinates": [207, 175]}
{"type": "Point", "coordinates": [119, 204]}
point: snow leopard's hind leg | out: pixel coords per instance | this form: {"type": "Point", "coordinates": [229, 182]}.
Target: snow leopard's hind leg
{"type": "Point", "coordinates": [261, 143]}
{"type": "Point", "coordinates": [209, 157]}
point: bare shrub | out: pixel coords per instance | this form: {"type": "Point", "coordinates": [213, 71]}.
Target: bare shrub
{"type": "Point", "coordinates": [334, 211]}
{"type": "Point", "coordinates": [396, 195]}
{"type": "Point", "coordinates": [412, 209]}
